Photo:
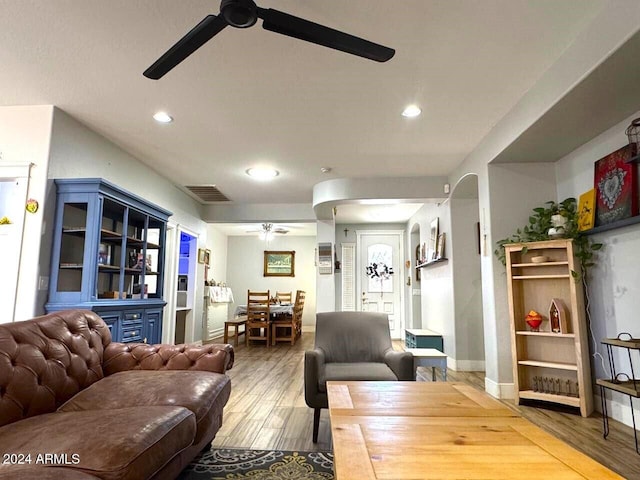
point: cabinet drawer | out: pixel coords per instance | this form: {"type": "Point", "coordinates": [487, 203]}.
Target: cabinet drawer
{"type": "Point", "coordinates": [132, 333]}
{"type": "Point", "coordinates": [429, 342]}
{"type": "Point", "coordinates": [131, 316]}
{"type": "Point", "coordinates": [153, 326]}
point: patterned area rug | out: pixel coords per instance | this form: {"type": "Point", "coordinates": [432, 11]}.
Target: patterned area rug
{"type": "Point", "coordinates": [227, 464]}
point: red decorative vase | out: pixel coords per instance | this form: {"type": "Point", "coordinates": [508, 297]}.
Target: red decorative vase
{"type": "Point", "coordinates": [533, 319]}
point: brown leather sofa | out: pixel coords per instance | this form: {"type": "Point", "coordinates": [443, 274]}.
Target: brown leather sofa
{"type": "Point", "coordinates": [75, 405]}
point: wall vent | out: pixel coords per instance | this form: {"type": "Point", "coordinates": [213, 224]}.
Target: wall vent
{"type": "Point", "coordinates": [207, 193]}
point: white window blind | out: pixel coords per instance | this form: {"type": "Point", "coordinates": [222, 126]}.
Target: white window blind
{"type": "Point", "coordinates": [348, 277]}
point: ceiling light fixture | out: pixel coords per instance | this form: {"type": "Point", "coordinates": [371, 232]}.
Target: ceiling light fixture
{"type": "Point", "coordinates": [262, 173]}
{"type": "Point", "coordinates": [162, 117]}
{"type": "Point", "coordinates": [266, 234]}
{"type": "Point", "coordinates": [411, 111]}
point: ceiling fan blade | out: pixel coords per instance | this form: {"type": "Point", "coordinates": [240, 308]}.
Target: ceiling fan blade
{"type": "Point", "coordinates": [198, 36]}
{"type": "Point", "coordinates": [285, 24]}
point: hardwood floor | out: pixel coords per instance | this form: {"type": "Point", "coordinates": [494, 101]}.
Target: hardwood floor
{"type": "Point", "coordinates": [267, 411]}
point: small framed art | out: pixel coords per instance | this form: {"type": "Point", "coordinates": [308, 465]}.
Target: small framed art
{"type": "Point", "coordinates": [440, 247]}
{"type": "Point", "coordinates": [279, 263]}
{"type": "Point", "coordinates": [587, 210]}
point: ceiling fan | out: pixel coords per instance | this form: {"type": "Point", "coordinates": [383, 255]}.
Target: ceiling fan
{"type": "Point", "coordinates": [244, 14]}
{"type": "Point", "coordinates": [267, 230]}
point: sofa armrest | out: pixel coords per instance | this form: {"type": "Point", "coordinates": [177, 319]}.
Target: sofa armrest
{"type": "Point", "coordinates": [401, 363]}
{"type": "Point", "coordinates": [120, 357]}
{"type": "Point", "coordinates": [313, 362]}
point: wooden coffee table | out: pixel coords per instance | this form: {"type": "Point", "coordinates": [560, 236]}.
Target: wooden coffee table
{"type": "Point", "coordinates": [437, 430]}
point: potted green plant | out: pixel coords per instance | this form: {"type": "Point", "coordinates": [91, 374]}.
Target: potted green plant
{"type": "Point", "coordinates": [554, 220]}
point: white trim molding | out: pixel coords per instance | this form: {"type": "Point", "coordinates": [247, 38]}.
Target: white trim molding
{"type": "Point", "coordinates": [499, 390]}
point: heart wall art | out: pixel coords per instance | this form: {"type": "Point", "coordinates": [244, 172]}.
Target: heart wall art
{"type": "Point", "coordinates": [616, 186]}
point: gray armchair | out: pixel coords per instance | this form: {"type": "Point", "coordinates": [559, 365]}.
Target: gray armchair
{"type": "Point", "coordinates": [350, 346]}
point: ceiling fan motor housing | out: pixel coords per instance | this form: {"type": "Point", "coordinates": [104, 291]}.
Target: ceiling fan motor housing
{"type": "Point", "coordinates": [239, 13]}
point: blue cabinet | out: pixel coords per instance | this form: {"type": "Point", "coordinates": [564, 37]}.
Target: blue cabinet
{"type": "Point", "coordinates": [108, 256]}
{"type": "Point", "coordinates": [112, 319]}
{"type": "Point", "coordinates": [422, 338]}
{"type": "Point", "coordinates": [153, 326]}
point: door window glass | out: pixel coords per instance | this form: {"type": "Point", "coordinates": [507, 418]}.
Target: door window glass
{"type": "Point", "coordinates": [380, 268]}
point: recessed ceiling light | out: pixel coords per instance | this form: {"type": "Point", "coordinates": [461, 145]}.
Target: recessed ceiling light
{"type": "Point", "coordinates": [262, 173]}
{"type": "Point", "coordinates": [411, 111]}
{"type": "Point", "coordinates": [162, 117]}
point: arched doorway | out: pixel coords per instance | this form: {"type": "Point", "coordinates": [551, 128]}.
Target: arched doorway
{"type": "Point", "coordinates": [467, 279]}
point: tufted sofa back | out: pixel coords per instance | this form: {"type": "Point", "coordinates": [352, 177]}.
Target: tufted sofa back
{"type": "Point", "coordinates": [47, 360]}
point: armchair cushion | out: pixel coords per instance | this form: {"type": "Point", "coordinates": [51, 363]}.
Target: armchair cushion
{"type": "Point", "coordinates": [204, 395]}
{"type": "Point", "coordinates": [355, 371]}
{"type": "Point", "coordinates": [135, 446]}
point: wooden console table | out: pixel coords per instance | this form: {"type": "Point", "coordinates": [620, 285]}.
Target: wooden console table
{"type": "Point", "coordinates": [438, 430]}
{"type": "Point", "coordinates": [422, 338]}
{"type": "Point", "coordinates": [429, 357]}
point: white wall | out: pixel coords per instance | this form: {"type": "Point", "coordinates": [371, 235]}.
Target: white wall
{"type": "Point", "coordinates": [469, 335]}
{"type": "Point", "coordinates": [245, 262]}
{"type": "Point", "coordinates": [77, 152]}
{"type": "Point", "coordinates": [515, 190]}
{"type": "Point", "coordinates": [218, 313]}
{"type": "Point", "coordinates": [414, 310]}
{"type": "Point", "coordinates": [325, 283]}
{"type": "Point", "coordinates": [25, 135]}
{"type": "Point", "coordinates": [614, 283]}
{"type": "Point", "coordinates": [436, 285]}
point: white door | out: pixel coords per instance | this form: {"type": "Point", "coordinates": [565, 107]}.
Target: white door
{"type": "Point", "coordinates": [380, 276]}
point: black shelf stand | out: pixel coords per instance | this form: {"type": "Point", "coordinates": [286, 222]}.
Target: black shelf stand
{"type": "Point", "coordinates": [620, 382]}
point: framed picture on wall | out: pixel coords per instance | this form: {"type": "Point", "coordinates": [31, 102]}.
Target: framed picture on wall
{"type": "Point", "coordinates": [279, 263]}
{"type": "Point", "coordinates": [616, 186]}
{"type": "Point", "coordinates": [440, 247]}
{"type": "Point", "coordinates": [201, 253]}
{"type": "Point", "coordinates": [433, 239]}
{"type": "Point", "coordinates": [207, 257]}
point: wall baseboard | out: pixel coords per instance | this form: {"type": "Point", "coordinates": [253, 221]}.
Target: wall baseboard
{"type": "Point", "coordinates": [465, 365]}
{"type": "Point", "coordinates": [499, 390]}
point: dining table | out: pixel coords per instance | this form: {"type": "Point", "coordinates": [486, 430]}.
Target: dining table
{"type": "Point", "coordinates": [276, 308]}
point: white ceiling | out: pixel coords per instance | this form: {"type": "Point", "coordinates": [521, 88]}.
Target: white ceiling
{"type": "Point", "coordinates": [254, 229]}
{"type": "Point", "coordinates": [345, 214]}
{"type": "Point", "coordinates": [368, 213]}
{"type": "Point", "coordinates": [251, 97]}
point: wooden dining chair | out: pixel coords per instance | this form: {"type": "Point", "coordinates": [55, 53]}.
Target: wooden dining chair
{"type": "Point", "coordinates": [284, 297]}
{"type": "Point", "coordinates": [258, 321]}
{"type": "Point", "coordinates": [297, 311]}
{"type": "Point", "coordinates": [287, 329]}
